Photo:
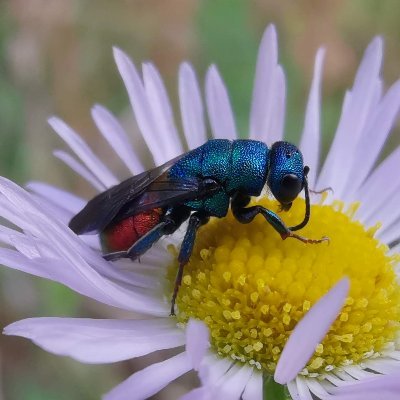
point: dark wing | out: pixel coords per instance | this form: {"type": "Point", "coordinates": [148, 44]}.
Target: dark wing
{"type": "Point", "coordinates": [142, 192]}
{"type": "Point", "coordinates": [99, 211]}
{"type": "Point", "coordinates": [167, 192]}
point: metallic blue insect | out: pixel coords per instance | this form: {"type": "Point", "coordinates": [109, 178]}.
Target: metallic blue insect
{"type": "Point", "coordinates": [195, 186]}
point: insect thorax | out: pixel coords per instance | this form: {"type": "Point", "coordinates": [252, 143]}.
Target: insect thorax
{"type": "Point", "coordinates": [238, 165]}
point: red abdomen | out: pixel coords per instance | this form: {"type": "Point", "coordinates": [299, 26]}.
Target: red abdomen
{"type": "Point", "coordinates": [123, 234]}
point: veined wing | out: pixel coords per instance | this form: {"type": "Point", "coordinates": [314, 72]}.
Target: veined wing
{"type": "Point", "coordinates": [99, 211]}
{"type": "Point", "coordinates": [151, 189]}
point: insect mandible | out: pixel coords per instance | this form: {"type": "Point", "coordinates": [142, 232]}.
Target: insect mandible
{"type": "Point", "coordinates": [195, 186]}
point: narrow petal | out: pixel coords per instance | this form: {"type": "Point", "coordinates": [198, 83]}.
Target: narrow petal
{"type": "Point", "coordinates": [99, 341]}
{"type": "Point", "coordinates": [114, 133]}
{"type": "Point", "coordinates": [264, 83]}
{"type": "Point", "coordinates": [151, 380]}
{"type": "Point", "coordinates": [356, 110]}
{"type": "Point", "coordinates": [191, 107]}
{"type": "Point", "coordinates": [380, 186]}
{"type": "Point", "coordinates": [373, 140]}
{"type": "Point", "coordinates": [213, 368]}
{"type": "Point", "coordinates": [389, 233]}
{"type": "Point", "coordinates": [57, 196]}
{"type": "Point", "coordinates": [254, 387]}
{"type": "Point", "coordinates": [293, 390]}
{"type": "Point", "coordinates": [140, 105]}
{"type": "Point", "coordinates": [52, 209]}
{"type": "Point", "coordinates": [276, 130]}
{"type": "Point", "coordinates": [229, 386]}
{"type": "Point", "coordinates": [380, 387]}
{"type": "Point", "coordinates": [162, 112]}
{"type": "Point", "coordinates": [315, 387]}
{"type": "Point", "coordinates": [63, 205]}
{"type": "Point", "coordinates": [304, 390]}
{"type": "Point", "coordinates": [388, 214]}
{"type": "Point", "coordinates": [219, 107]}
{"type": "Point", "coordinates": [309, 332]}
{"type": "Point", "coordinates": [197, 342]}
{"type": "Point", "coordinates": [80, 169]}
{"type": "Point", "coordinates": [233, 383]}
{"type": "Point", "coordinates": [310, 139]}
{"type": "Point", "coordinates": [86, 270]}
{"type": "Point", "coordinates": [82, 150]}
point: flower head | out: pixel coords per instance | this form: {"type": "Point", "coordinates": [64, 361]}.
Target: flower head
{"type": "Point", "coordinates": [247, 285]}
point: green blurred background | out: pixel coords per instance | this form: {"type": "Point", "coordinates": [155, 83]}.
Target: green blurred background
{"type": "Point", "coordinates": [56, 58]}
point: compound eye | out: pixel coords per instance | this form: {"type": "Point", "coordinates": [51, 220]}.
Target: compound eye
{"type": "Point", "coordinates": [290, 187]}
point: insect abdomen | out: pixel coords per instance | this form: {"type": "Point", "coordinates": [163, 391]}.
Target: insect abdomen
{"type": "Point", "coordinates": [122, 235]}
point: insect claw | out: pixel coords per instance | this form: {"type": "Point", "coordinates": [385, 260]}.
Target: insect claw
{"type": "Point", "coordinates": [306, 240]}
{"type": "Point", "coordinates": [114, 256]}
{"type": "Point", "coordinates": [327, 189]}
{"type": "Point", "coordinates": [325, 239]}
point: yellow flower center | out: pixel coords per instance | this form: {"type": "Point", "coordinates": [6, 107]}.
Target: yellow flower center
{"type": "Point", "coordinates": [251, 288]}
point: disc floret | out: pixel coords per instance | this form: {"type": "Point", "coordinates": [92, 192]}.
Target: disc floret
{"type": "Point", "coordinates": [251, 288]}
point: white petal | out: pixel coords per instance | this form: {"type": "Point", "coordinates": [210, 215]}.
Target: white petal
{"type": "Point", "coordinates": [390, 212]}
{"type": "Point", "coordinates": [356, 110]}
{"type": "Point", "coordinates": [254, 387]}
{"type": "Point", "coordinates": [58, 196]}
{"type": "Point", "coordinates": [233, 383]}
{"type": "Point", "coordinates": [293, 390]}
{"type": "Point", "coordinates": [380, 387]}
{"type": "Point", "coordinates": [114, 133]}
{"type": "Point", "coordinates": [191, 107]}
{"type": "Point", "coordinates": [218, 106]}
{"type": "Point", "coordinates": [162, 114]}
{"type": "Point", "coordinates": [380, 186]}
{"type": "Point", "coordinates": [213, 368]}
{"type": "Point", "coordinates": [82, 150]}
{"type": "Point", "coordinates": [197, 341]}
{"type": "Point", "coordinates": [229, 385]}
{"type": "Point", "coordinates": [389, 233]}
{"type": "Point", "coordinates": [374, 137]}
{"type": "Point", "coordinates": [140, 105]}
{"type": "Point", "coordinates": [315, 387]}
{"type": "Point", "coordinates": [68, 248]}
{"type": "Point", "coordinates": [151, 380]}
{"type": "Point", "coordinates": [381, 365]}
{"type": "Point", "coordinates": [99, 341]}
{"type": "Point", "coordinates": [279, 107]}
{"type": "Point", "coordinates": [80, 169]}
{"type": "Point", "coordinates": [304, 390]}
{"type": "Point", "coordinates": [52, 209]}
{"type": "Point", "coordinates": [309, 332]}
{"type": "Point", "coordinates": [310, 139]}
{"type": "Point", "coordinates": [264, 87]}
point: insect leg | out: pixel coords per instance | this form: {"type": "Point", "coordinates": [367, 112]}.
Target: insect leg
{"type": "Point", "coordinates": [140, 246]}
{"type": "Point", "coordinates": [170, 223]}
{"type": "Point", "coordinates": [247, 214]}
{"type": "Point", "coordinates": [195, 221]}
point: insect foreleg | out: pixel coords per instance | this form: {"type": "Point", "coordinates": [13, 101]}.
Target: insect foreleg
{"type": "Point", "coordinates": [195, 221]}
{"type": "Point", "coordinates": [247, 214]}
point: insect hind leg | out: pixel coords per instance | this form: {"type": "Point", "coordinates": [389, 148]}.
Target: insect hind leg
{"type": "Point", "coordinates": [170, 223]}
{"type": "Point", "coordinates": [141, 245]}
{"type": "Point", "coordinates": [196, 220]}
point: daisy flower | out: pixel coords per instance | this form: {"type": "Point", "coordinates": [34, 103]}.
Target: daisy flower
{"type": "Point", "coordinates": [247, 285]}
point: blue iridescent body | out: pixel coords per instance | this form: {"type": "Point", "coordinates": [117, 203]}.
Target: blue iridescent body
{"type": "Point", "coordinates": [200, 184]}
{"type": "Point", "coordinates": [238, 166]}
